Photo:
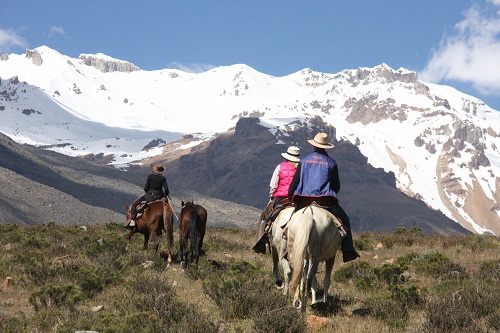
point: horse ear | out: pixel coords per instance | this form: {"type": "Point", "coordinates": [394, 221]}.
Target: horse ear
{"type": "Point", "coordinates": [126, 208]}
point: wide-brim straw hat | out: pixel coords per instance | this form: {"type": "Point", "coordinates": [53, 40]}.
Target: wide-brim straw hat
{"type": "Point", "coordinates": [321, 141]}
{"type": "Point", "coordinates": [158, 168]}
{"type": "Point", "coordinates": [292, 154]}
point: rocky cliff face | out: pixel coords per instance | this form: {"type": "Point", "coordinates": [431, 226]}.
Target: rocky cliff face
{"type": "Point", "coordinates": [35, 57]}
{"type": "Point", "coordinates": [237, 166]}
{"type": "Point", "coordinates": [456, 137]}
{"type": "Point", "coordinates": [108, 65]}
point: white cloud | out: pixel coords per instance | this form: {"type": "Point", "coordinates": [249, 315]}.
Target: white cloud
{"type": "Point", "coordinates": [56, 31]}
{"type": "Point", "coordinates": [191, 68]}
{"type": "Point", "coordinates": [9, 39]}
{"type": "Point", "coordinates": [472, 53]}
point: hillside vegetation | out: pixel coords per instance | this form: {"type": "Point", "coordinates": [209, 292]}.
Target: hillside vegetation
{"type": "Point", "coordinates": [67, 279]}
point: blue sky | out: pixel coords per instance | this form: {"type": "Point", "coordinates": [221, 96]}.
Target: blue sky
{"type": "Point", "coordinates": [452, 42]}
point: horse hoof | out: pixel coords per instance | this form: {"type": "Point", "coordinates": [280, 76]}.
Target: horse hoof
{"type": "Point", "coordinates": [297, 303]}
{"type": "Point", "coordinates": [320, 305]}
{"type": "Point", "coordinates": [279, 284]}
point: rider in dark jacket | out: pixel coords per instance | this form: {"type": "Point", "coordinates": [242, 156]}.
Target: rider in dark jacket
{"type": "Point", "coordinates": [317, 179]}
{"type": "Point", "coordinates": [156, 187]}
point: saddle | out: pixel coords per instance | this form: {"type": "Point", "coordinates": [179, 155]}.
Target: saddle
{"type": "Point", "coordinates": [313, 202]}
{"type": "Point", "coordinates": [272, 212]}
{"type": "Point", "coordinates": [141, 207]}
{"type": "Point", "coordinates": [267, 217]}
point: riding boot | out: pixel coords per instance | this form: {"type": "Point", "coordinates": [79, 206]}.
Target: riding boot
{"type": "Point", "coordinates": [261, 238]}
{"type": "Point", "coordinates": [347, 244]}
{"type": "Point", "coordinates": [131, 224]}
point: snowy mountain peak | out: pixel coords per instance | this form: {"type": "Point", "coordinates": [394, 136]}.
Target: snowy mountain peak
{"type": "Point", "coordinates": [442, 145]}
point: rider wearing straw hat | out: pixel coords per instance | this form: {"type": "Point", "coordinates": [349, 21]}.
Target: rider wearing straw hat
{"type": "Point", "coordinates": [317, 179]}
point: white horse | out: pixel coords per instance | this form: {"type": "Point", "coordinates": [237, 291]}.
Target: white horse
{"type": "Point", "coordinates": [313, 237]}
{"type": "Point", "coordinates": [278, 249]}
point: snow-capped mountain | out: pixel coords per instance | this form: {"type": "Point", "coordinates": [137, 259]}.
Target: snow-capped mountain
{"type": "Point", "coordinates": [441, 144]}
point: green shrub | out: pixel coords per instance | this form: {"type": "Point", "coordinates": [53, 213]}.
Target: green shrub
{"type": "Point", "coordinates": [244, 291]}
{"type": "Point", "coordinates": [407, 259]}
{"type": "Point", "coordinates": [353, 270]}
{"type": "Point", "coordinates": [364, 243]}
{"type": "Point", "coordinates": [400, 230]}
{"type": "Point", "coordinates": [391, 311]}
{"type": "Point", "coordinates": [390, 273]}
{"type": "Point", "coordinates": [103, 245]}
{"type": "Point", "coordinates": [432, 263]}
{"type": "Point", "coordinates": [277, 317]}
{"type": "Point", "coordinates": [406, 296]}
{"type": "Point", "coordinates": [90, 283]}
{"type": "Point", "coordinates": [223, 245]}
{"type": "Point", "coordinates": [41, 270]}
{"type": "Point", "coordinates": [12, 324]}
{"type": "Point", "coordinates": [489, 271]}
{"type": "Point", "coordinates": [445, 315]}
{"type": "Point", "coordinates": [55, 296]}
{"type": "Point", "coordinates": [478, 243]}
{"type": "Point", "coordinates": [11, 233]}
{"type": "Point", "coordinates": [460, 305]}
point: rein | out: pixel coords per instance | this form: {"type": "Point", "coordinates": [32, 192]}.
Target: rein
{"type": "Point", "coordinates": [169, 200]}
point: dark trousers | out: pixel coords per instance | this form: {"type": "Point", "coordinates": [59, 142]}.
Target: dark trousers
{"type": "Point", "coordinates": [347, 243]}
{"type": "Point", "coordinates": [133, 206]}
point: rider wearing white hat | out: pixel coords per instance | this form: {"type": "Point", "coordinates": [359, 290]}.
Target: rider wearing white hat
{"type": "Point", "coordinates": [278, 191]}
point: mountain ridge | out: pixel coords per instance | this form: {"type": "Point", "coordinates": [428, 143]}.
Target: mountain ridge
{"type": "Point", "coordinates": [441, 145]}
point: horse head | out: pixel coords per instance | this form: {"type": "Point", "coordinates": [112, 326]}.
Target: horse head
{"type": "Point", "coordinates": [187, 203]}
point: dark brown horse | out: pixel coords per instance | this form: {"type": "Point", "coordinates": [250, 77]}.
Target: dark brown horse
{"type": "Point", "coordinates": [158, 218]}
{"type": "Point", "coordinates": [192, 226]}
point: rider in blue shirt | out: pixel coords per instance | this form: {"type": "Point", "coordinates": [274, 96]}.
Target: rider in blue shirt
{"type": "Point", "coordinates": [317, 179]}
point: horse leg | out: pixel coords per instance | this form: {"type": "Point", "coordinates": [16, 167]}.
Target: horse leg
{"type": "Point", "coordinates": [146, 242]}
{"type": "Point", "coordinates": [129, 237]}
{"type": "Point", "coordinates": [274, 254]}
{"type": "Point", "coordinates": [312, 282]}
{"type": "Point", "coordinates": [154, 240]}
{"type": "Point", "coordinates": [200, 244]}
{"type": "Point", "coordinates": [327, 279]}
{"type": "Point", "coordinates": [198, 249]}
{"type": "Point", "coordinates": [301, 292]}
{"type": "Point", "coordinates": [182, 249]}
{"type": "Point", "coordinates": [285, 265]}
{"type": "Point", "coordinates": [170, 242]}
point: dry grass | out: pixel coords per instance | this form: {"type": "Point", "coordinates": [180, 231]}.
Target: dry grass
{"type": "Point", "coordinates": [404, 282]}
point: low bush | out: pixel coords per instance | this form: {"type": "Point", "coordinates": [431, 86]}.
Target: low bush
{"type": "Point", "coordinates": [55, 296]}
{"type": "Point", "coordinates": [352, 271]}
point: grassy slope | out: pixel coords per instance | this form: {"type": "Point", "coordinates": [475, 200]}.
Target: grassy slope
{"type": "Point", "coordinates": [61, 275]}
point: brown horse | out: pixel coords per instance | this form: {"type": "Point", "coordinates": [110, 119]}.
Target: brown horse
{"type": "Point", "coordinates": [192, 226]}
{"type": "Point", "coordinates": [157, 218]}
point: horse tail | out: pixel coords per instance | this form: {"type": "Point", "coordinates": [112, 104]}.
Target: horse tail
{"type": "Point", "coordinates": [193, 221]}
{"type": "Point", "coordinates": [168, 224]}
{"type": "Point", "coordinates": [299, 249]}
